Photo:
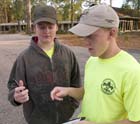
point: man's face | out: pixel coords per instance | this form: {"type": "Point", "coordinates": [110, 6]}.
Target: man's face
{"type": "Point", "coordinates": [98, 43]}
{"type": "Point", "coordinates": [46, 31]}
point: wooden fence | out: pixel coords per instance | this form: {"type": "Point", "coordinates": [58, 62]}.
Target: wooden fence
{"type": "Point", "coordinates": [127, 24]}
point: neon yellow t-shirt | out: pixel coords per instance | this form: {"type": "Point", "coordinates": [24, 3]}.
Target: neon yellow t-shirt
{"type": "Point", "coordinates": [112, 89]}
{"type": "Point", "coordinates": [50, 52]}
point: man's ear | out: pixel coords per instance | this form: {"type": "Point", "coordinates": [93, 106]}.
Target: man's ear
{"type": "Point", "coordinates": [56, 27]}
{"type": "Point", "coordinates": [113, 32]}
{"type": "Point", "coordinates": [34, 28]}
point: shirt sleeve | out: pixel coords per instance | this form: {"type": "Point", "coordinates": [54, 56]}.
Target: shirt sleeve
{"type": "Point", "coordinates": [132, 95]}
{"type": "Point", "coordinates": [17, 73]}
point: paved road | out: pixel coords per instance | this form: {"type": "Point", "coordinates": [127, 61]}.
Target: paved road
{"type": "Point", "coordinates": [10, 46]}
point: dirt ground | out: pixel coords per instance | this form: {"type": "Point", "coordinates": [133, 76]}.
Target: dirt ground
{"type": "Point", "coordinates": [11, 45]}
{"type": "Point", "coordinates": [124, 40]}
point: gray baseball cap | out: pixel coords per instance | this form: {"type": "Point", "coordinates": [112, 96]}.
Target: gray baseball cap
{"type": "Point", "coordinates": [44, 13]}
{"type": "Point", "coordinates": [98, 16]}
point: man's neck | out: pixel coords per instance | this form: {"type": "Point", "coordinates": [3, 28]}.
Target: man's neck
{"type": "Point", "coordinates": [46, 45]}
{"type": "Point", "coordinates": [111, 51]}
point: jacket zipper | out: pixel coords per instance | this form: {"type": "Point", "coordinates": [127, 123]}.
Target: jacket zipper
{"type": "Point", "coordinates": [56, 103]}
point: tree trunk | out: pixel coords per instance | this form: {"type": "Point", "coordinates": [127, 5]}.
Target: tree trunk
{"type": "Point", "coordinates": [17, 17]}
{"type": "Point", "coordinates": [138, 8]}
{"type": "Point", "coordinates": [19, 26]}
{"type": "Point", "coordinates": [5, 13]}
{"type": "Point", "coordinates": [96, 2]}
{"type": "Point", "coordinates": [111, 3]}
{"type": "Point", "coordinates": [28, 16]}
{"type": "Point", "coordinates": [72, 13]}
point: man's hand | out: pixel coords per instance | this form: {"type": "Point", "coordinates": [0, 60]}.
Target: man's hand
{"type": "Point", "coordinates": [21, 93]}
{"type": "Point", "coordinates": [59, 92]}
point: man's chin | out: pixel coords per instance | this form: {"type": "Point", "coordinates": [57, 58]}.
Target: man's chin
{"type": "Point", "coordinates": [94, 55]}
{"type": "Point", "coordinates": [46, 40]}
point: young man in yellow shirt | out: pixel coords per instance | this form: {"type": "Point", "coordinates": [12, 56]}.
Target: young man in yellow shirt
{"type": "Point", "coordinates": [112, 83]}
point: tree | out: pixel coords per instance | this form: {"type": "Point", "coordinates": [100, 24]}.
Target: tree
{"type": "Point", "coordinates": [126, 6]}
{"type": "Point", "coordinates": [135, 4]}
{"type": "Point", "coordinates": [110, 2]}
{"type": "Point", "coordinates": [5, 10]}
{"type": "Point", "coordinates": [34, 2]}
{"type": "Point", "coordinates": [75, 6]}
{"type": "Point", "coordinates": [67, 11]}
{"type": "Point", "coordinates": [28, 17]}
{"type": "Point", "coordinates": [88, 3]}
{"type": "Point", "coordinates": [18, 12]}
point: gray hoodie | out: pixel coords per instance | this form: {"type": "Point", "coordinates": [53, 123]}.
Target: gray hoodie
{"type": "Point", "coordinates": [40, 75]}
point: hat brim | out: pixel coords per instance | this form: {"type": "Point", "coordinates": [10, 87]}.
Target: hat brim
{"type": "Point", "coordinates": [83, 30]}
{"type": "Point", "coordinates": [53, 21]}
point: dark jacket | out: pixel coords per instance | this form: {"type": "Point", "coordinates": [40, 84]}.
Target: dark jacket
{"type": "Point", "coordinates": [40, 75]}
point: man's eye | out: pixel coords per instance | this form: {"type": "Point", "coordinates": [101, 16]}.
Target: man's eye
{"type": "Point", "coordinates": [89, 37]}
{"type": "Point", "coordinates": [50, 27]}
{"type": "Point", "coordinates": [42, 27]}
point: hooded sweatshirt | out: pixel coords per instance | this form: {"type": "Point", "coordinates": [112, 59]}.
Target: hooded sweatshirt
{"type": "Point", "coordinates": [40, 75]}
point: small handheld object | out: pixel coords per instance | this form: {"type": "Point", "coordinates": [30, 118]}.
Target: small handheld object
{"type": "Point", "coordinates": [73, 121]}
{"type": "Point", "coordinates": [16, 82]}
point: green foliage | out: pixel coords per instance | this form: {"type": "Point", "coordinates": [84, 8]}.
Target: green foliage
{"type": "Point", "coordinates": [126, 6]}
{"type": "Point", "coordinates": [135, 4]}
{"type": "Point", "coordinates": [67, 8]}
{"type": "Point", "coordinates": [18, 9]}
{"type": "Point", "coordinates": [13, 10]}
{"type": "Point", "coordinates": [35, 2]}
{"type": "Point", "coordinates": [88, 3]}
{"type": "Point", "coordinates": [5, 10]}
{"type": "Point", "coordinates": [132, 8]}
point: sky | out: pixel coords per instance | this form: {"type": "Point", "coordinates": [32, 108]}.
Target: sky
{"type": "Point", "coordinates": [115, 3]}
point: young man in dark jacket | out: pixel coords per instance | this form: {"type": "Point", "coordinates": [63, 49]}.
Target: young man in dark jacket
{"type": "Point", "coordinates": [43, 65]}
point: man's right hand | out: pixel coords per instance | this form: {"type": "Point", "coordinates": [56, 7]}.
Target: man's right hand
{"type": "Point", "coordinates": [21, 93]}
{"type": "Point", "coordinates": [59, 92]}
